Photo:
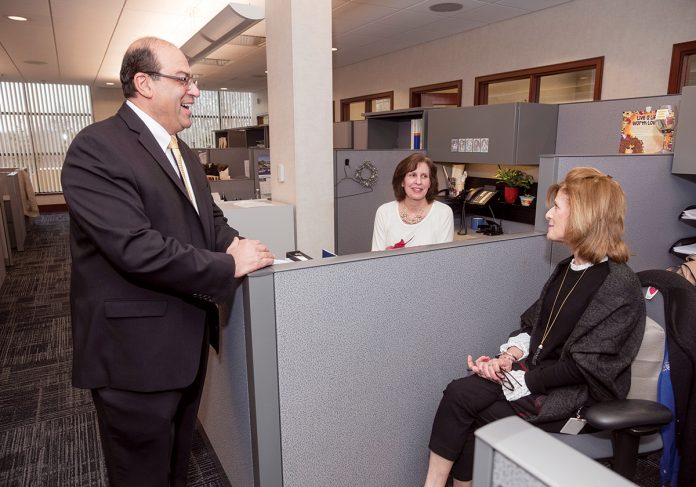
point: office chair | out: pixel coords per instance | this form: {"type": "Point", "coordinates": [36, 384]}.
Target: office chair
{"type": "Point", "coordinates": [632, 426]}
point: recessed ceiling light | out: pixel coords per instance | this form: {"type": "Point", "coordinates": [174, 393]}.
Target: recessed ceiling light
{"type": "Point", "coordinates": [223, 88]}
{"type": "Point", "coordinates": [18, 18]}
{"type": "Point", "coordinates": [109, 83]}
{"type": "Point", "coordinates": [446, 7]}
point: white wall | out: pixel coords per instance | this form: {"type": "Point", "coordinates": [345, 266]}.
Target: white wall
{"type": "Point", "coordinates": [106, 102]}
{"type": "Point", "coordinates": [259, 104]}
{"type": "Point", "coordinates": [634, 36]}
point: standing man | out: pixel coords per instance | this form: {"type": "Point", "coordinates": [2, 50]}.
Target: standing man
{"type": "Point", "coordinates": [151, 254]}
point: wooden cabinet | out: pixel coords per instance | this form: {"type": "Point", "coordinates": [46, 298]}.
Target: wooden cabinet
{"type": "Point", "coordinates": [511, 133]}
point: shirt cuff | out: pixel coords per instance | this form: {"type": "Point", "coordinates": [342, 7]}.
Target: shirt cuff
{"type": "Point", "coordinates": [516, 378]}
{"type": "Point", "coordinates": [520, 341]}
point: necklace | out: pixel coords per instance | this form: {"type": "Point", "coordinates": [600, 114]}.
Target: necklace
{"type": "Point", "coordinates": [408, 219]}
{"type": "Point", "coordinates": [552, 318]}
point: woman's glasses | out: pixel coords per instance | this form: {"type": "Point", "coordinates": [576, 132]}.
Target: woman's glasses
{"type": "Point", "coordinates": [506, 380]}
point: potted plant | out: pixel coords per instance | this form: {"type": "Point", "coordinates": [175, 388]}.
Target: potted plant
{"type": "Point", "coordinates": [514, 179]}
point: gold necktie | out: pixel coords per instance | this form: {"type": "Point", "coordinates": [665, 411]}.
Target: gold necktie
{"type": "Point", "coordinates": [174, 146]}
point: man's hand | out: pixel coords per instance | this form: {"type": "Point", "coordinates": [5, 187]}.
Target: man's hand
{"type": "Point", "coordinates": [249, 256]}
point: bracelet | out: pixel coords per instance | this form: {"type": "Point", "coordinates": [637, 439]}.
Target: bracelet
{"type": "Point", "coordinates": [505, 352]}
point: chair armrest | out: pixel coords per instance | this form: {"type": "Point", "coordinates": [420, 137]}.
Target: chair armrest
{"type": "Point", "coordinates": [627, 413]}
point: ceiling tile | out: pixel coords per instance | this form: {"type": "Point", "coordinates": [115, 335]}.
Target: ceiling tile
{"type": "Point", "coordinates": [398, 4]}
{"type": "Point", "coordinates": [531, 5]}
{"type": "Point", "coordinates": [451, 26]}
{"type": "Point", "coordinates": [408, 19]}
{"type": "Point", "coordinates": [355, 39]}
{"type": "Point", "coordinates": [8, 72]}
{"type": "Point", "coordinates": [353, 15]}
{"type": "Point", "coordinates": [491, 13]}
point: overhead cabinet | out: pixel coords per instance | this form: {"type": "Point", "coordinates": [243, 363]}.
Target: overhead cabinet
{"type": "Point", "coordinates": [512, 133]}
{"type": "Point", "coordinates": [395, 129]}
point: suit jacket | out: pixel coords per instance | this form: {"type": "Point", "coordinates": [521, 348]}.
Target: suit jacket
{"type": "Point", "coordinates": [146, 267]}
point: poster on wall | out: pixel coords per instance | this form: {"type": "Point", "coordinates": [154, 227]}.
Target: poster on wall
{"type": "Point", "coordinates": [639, 134]}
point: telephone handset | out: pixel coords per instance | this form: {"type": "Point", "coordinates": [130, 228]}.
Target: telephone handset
{"type": "Point", "coordinates": [479, 196]}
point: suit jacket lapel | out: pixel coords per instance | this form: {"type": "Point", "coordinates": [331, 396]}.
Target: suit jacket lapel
{"type": "Point", "coordinates": [200, 191]}
{"type": "Point", "coordinates": [150, 144]}
{"type": "Point", "coordinates": [148, 141]}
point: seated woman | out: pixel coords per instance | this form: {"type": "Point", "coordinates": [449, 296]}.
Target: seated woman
{"type": "Point", "coordinates": [576, 342]}
{"type": "Point", "coordinates": [415, 218]}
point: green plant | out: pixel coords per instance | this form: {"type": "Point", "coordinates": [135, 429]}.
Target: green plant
{"type": "Point", "coordinates": [514, 178]}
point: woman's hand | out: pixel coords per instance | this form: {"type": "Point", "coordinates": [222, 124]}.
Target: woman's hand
{"type": "Point", "coordinates": [489, 368]}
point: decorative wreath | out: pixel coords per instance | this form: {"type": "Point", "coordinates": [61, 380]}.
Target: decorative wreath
{"type": "Point", "coordinates": [366, 174]}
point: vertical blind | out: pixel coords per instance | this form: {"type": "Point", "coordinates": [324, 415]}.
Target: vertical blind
{"type": "Point", "coordinates": [215, 110]}
{"type": "Point", "coordinates": [38, 121]}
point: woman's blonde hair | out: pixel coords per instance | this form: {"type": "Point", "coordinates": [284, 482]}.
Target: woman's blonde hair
{"type": "Point", "coordinates": [597, 207]}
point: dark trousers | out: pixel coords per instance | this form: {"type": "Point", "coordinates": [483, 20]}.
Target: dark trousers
{"type": "Point", "coordinates": [147, 436]}
{"type": "Point", "coordinates": [467, 404]}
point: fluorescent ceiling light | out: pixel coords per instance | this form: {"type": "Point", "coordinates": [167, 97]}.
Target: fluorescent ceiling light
{"type": "Point", "coordinates": [18, 18]}
{"type": "Point", "coordinates": [234, 19]}
{"type": "Point", "coordinates": [109, 83]}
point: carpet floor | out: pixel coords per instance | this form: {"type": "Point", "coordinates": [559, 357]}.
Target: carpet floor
{"type": "Point", "coordinates": [48, 429]}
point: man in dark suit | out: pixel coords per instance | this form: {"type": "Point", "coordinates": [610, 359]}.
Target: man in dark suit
{"type": "Point", "coordinates": [151, 255]}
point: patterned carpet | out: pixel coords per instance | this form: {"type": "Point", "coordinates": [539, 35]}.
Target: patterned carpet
{"type": "Point", "coordinates": [48, 429]}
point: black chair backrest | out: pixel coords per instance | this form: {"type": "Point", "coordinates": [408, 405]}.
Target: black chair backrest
{"type": "Point", "coordinates": [680, 316]}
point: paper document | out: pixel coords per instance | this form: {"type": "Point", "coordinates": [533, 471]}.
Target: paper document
{"type": "Point", "coordinates": [685, 249]}
{"type": "Point", "coordinates": [251, 203]}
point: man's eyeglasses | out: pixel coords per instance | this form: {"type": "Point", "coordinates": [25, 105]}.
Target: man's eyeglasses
{"type": "Point", "coordinates": [505, 381]}
{"type": "Point", "coordinates": [186, 80]}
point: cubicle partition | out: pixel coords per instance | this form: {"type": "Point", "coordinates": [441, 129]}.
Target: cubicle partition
{"type": "Point", "coordinates": [355, 205]}
{"type": "Point", "coordinates": [12, 193]}
{"type": "Point", "coordinates": [654, 200]}
{"type": "Point", "coordinates": [346, 358]}
{"type": "Point", "coordinates": [5, 254]}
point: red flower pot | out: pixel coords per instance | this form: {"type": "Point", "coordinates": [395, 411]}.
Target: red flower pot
{"type": "Point", "coordinates": [510, 194]}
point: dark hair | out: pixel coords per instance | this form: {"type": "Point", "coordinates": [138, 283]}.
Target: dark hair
{"type": "Point", "coordinates": [139, 58]}
{"type": "Point", "coordinates": [410, 164]}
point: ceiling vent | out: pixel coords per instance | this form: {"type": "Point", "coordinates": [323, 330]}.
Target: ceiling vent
{"type": "Point", "coordinates": [250, 41]}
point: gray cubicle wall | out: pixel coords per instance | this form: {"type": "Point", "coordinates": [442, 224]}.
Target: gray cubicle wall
{"type": "Point", "coordinates": [654, 200]}
{"type": "Point", "coordinates": [354, 204]}
{"type": "Point", "coordinates": [350, 355]}
{"type": "Point", "coordinates": [595, 127]}
{"type": "Point", "coordinates": [224, 411]}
